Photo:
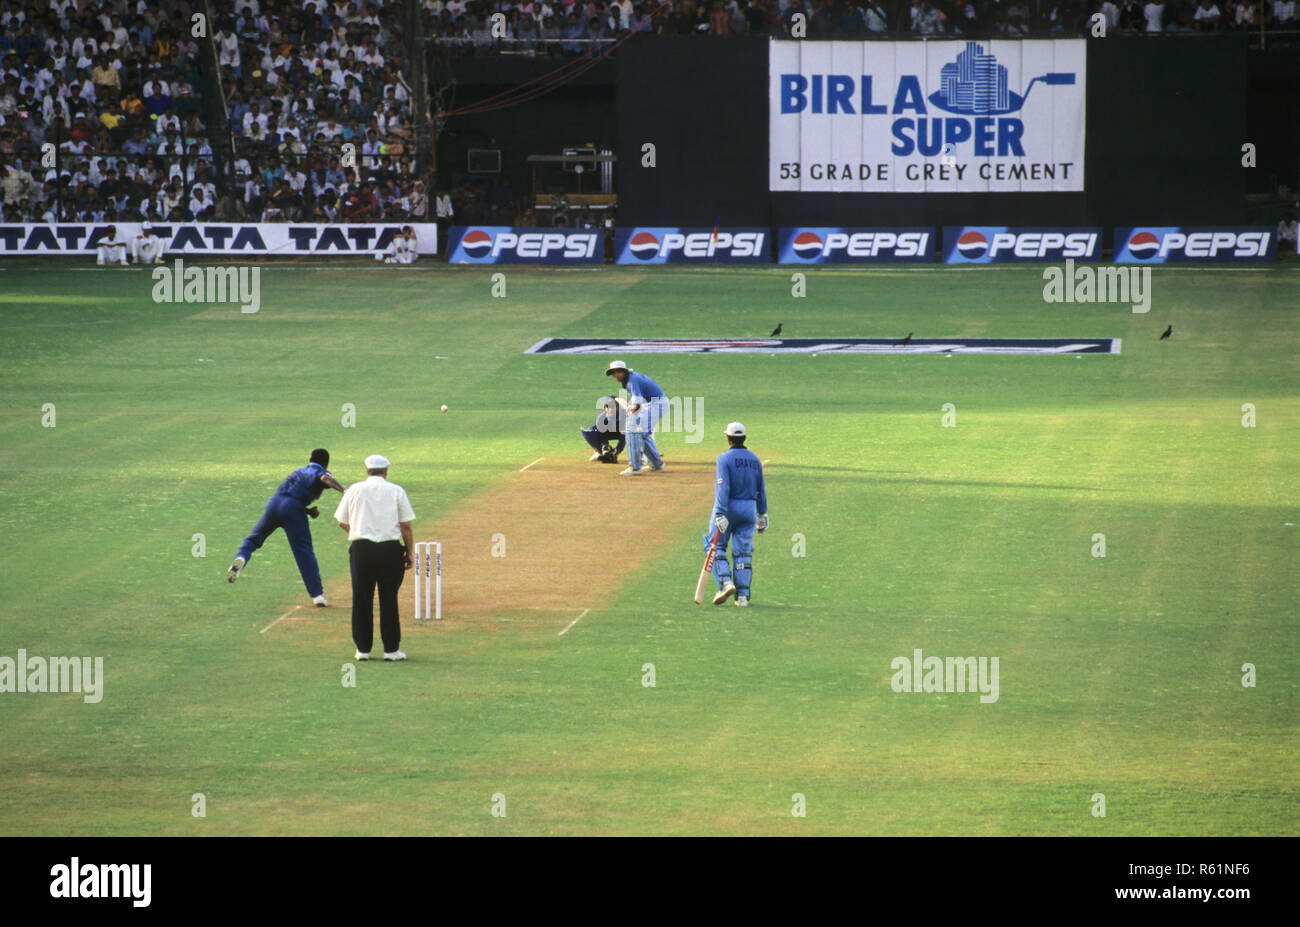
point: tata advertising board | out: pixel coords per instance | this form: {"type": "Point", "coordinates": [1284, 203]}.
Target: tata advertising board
{"type": "Point", "coordinates": [253, 239]}
{"type": "Point", "coordinates": [990, 116]}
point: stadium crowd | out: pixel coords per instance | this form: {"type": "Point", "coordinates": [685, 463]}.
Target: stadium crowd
{"type": "Point", "coordinates": [102, 114]}
{"type": "Point", "coordinates": [576, 28]}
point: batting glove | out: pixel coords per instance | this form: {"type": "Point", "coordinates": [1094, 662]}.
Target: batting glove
{"type": "Point", "coordinates": [721, 523]}
{"type": "Point", "coordinates": [762, 523]}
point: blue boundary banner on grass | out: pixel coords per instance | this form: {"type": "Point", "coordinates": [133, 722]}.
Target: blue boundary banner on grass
{"type": "Point", "coordinates": [856, 246]}
{"type": "Point", "coordinates": [504, 244]}
{"type": "Point", "coordinates": [826, 346]}
{"type": "Point", "coordinates": [986, 244]}
{"type": "Point", "coordinates": [1222, 244]}
{"type": "Point", "coordinates": [674, 245]}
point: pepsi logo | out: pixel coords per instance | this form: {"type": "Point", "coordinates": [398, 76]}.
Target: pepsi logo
{"type": "Point", "coordinates": [476, 243]}
{"type": "Point", "coordinates": [1143, 245]}
{"type": "Point", "coordinates": [972, 244]}
{"type": "Point", "coordinates": [807, 245]}
{"type": "Point", "coordinates": [643, 245]}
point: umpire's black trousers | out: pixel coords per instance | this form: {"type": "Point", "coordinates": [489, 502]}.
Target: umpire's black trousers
{"type": "Point", "coordinates": [382, 564]}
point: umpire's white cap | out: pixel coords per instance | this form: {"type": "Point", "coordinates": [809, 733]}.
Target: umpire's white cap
{"type": "Point", "coordinates": [377, 462]}
{"type": "Point", "coordinates": [735, 430]}
{"type": "Point", "coordinates": [614, 365]}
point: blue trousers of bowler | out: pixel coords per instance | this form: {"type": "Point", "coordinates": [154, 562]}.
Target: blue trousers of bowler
{"type": "Point", "coordinates": [288, 513]}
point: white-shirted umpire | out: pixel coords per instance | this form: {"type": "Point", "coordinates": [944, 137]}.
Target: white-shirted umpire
{"type": "Point", "coordinates": [377, 516]}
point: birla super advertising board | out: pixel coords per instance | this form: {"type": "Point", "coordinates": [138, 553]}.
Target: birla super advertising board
{"type": "Point", "coordinates": [987, 116]}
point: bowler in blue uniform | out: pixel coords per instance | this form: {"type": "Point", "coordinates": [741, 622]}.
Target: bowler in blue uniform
{"type": "Point", "coordinates": [289, 509]}
{"type": "Point", "coordinates": [646, 405]}
{"type": "Point", "coordinates": [739, 509]}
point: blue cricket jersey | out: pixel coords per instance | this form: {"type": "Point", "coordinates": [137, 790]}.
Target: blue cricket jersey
{"type": "Point", "coordinates": [638, 384]}
{"type": "Point", "coordinates": [304, 483]}
{"type": "Point", "coordinates": [739, 477]}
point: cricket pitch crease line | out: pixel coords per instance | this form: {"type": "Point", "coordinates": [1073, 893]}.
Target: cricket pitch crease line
{"type": "Point", "coordinates": [537, 461]}
{"type": "Point", "coordinates": [573, 622]}
{"type": "Point", "coordinates": [278, 620]}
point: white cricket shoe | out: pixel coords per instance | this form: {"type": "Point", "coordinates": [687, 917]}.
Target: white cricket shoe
{"type": "Point", "coordinates": [630, 472]}
{"type": "Point", "coordinates": [742, 601]}
{"type": "Point", "coordinates": [594, 457]}
{"type": "Point", "coordinates": [319, 601]}
{"type": "Point", "coordinates": [394, 656]}
{"type": "Point", "coordinates": [363, 657]}
{"type": "Point", "coordinates": [725, 594]}
{"type": "Point", "coordinates": [233, 573]}
{"type": "Point", "coordinates": [661, 468]}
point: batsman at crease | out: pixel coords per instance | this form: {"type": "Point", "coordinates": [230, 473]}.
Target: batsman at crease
{"type": "Point", "coordinates": [739, 508]}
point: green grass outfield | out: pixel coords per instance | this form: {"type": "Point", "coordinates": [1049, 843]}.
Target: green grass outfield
{"type": "Point", "coordinates": [1119, 675]}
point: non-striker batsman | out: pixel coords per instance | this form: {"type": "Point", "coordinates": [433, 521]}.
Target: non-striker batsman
{"type": "Point", "coordinates": [739, 508]}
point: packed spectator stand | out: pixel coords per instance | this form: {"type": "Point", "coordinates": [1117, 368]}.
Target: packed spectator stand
{"type": "Point", "coordinates": [103, 115]}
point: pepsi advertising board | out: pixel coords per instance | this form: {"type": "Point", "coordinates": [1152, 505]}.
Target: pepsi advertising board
{"type": "Point", "coordinates": [977, 244]}
{"type": "Point", "coordinates": [856, 246]}
{"type": "Point", "coordinates": [642, 245]}
{"type": "Point", "coordinates": [988, 116]}
{"type": "Point", "coordinates": [1250, 244]}
{"type": "Point", "coordinates": [501, 244]}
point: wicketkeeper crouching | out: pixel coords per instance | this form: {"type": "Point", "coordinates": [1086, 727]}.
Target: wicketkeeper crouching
{"type": "Point", "coordinates": [739, 508]}
{"type": "Point", "coordinates": [610, 425]}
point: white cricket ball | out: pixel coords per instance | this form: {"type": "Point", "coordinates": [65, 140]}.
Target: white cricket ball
{"type": "Point", "coordinates": [444, 408]}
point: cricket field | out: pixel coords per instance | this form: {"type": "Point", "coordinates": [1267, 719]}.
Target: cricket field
{"type": "Point", "coordinates": [1120, 531]}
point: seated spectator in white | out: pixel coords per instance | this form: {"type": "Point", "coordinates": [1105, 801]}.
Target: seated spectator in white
{"type": "Point", "coordinates": [416, 202]}
{"type": "Point", "coordinates": [297, 179]}
{"type": "Point", "coordinates": [1154, 14]}
{"type": "Point", "coordinates": [1206, 17]}
{"type": "Point", "coordinates": [172, 144]}
{"type": "Point", "coordinates": [1286, 234]}
{"type": "Point", "coordinates": [1244, 13]}
{"type": "Point", "coordinates": [200, 202]}
{"type": "Point", "coordinates": [1017, 18]}
{"type": "Point", "coordinates": [228, 48]}
{"type": "Point", "coordinates": [17, 181]}
{"type": "Point", "coordinates": [110, 249]}
{"type": "Point", "coordinates": [874, 15]}
{"type": "Point", "coordinates": [1284, 13]}
{"type": "Point", "coordinates": [1111, 13]}
{"type": "Point", "coordinates": [402, 249]}
{"type": "Point", "coordinates": [147, 248]}
{"type": "Point", "coordinates": [370, 150]}
{"type": "Point", "coordinates": [256, 123]}
{"type": "Point", "coordinates": [170, 200]}
{"type": "Point", "coordinates": [169, 120]}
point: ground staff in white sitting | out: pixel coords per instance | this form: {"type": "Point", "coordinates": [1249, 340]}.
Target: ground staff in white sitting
{"type": "Point", "coordinates": [377, 516]}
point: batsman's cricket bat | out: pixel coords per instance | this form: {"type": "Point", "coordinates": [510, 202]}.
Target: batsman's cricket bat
{"type": "Point", "coordinates": [707, 572]}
